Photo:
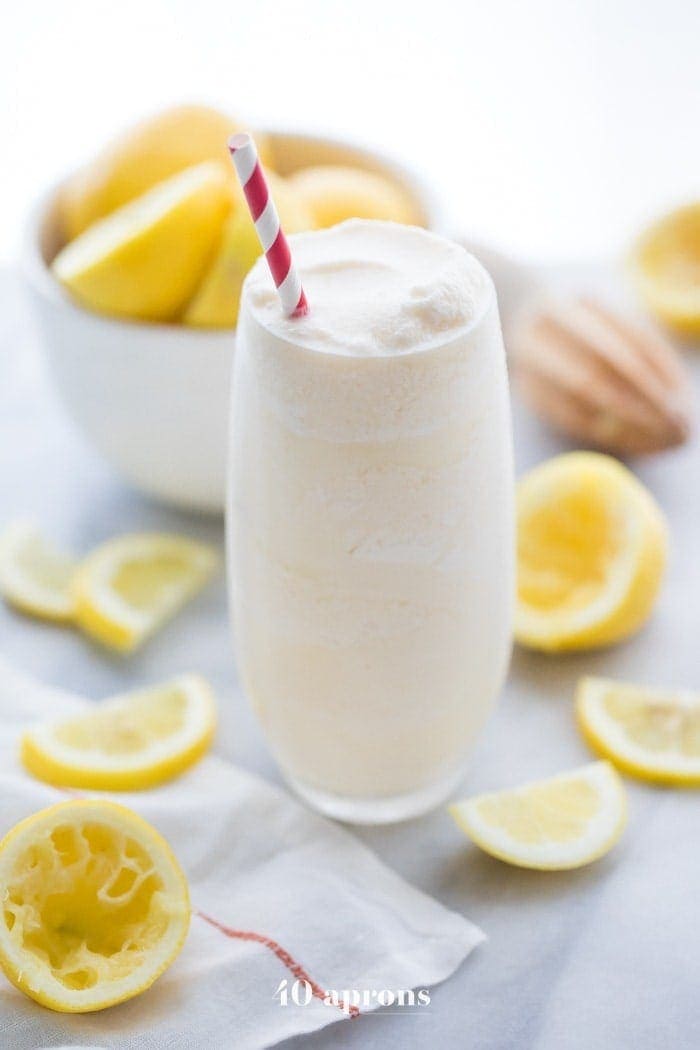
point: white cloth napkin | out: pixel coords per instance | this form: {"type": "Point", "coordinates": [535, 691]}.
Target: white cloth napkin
{"type": "Point", "coordinates": [277, 892]}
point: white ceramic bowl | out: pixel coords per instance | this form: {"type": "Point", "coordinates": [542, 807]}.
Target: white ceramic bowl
{"type": "Point", "coordinates": [153, 398]}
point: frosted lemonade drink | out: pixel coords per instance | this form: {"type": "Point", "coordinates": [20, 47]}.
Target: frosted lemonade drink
{"type": "Point", "coordinates": [371, 516]}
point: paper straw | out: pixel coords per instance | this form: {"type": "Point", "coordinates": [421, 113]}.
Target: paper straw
{"type": "Point", "coordinates": [267, 224]}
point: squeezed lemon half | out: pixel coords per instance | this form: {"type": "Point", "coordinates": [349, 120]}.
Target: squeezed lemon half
{"type": "Point", "coordinates": [34, 577]}
{"type": "Point", "coordinates": [653, 734]}
{"type": "Point", "coordinates": [665, 264]}
{"type": "Point", "coordinates": [130, 586]}
{"type": "Point", "coordinates": [563, 822]}
{"type": "Point", "coordinates": [94, 908]}
{"type": "Point", "coordinates": [128, 743]}
{"type": "Point", "coordinates": [592, 546]}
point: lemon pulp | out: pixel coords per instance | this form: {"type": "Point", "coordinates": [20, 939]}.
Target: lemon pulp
{"type": "Point", "coordinates": [86, 903]}
{"type": "Point", "coordinates": [565, 553]}
{"type": "Point", "coordinates": [111, 733]}
{"type": "Point", "coordinates": [549, 813]}
{"type": "Point", "coordinates": [651, 733]}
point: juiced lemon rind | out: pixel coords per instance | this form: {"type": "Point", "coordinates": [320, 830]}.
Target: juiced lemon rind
{"type": "Point", "coordinates": [664, 265]}
{"type": "Point", "coordinates": [633, 576]}
{"type": "Point", "coordinates": [66, 887]}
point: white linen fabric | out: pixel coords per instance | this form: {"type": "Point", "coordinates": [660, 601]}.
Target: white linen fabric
{"type": "Point", "coordinates": [277, 893]}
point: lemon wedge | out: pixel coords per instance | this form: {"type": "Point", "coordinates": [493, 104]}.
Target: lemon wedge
{"type": "Point", "coordinates": [130, 586]}
{"type": "Point", "coordinates": [665, 265]}
{"type": "Point", "coordinates": [146, 259]}
{"type": "Point", "coordinates": [216, 301]}
{"type": "Point", "coordinates": [34, 577]}
{"type": "Point", "coordinates": [95, 906]}
{"type": "Point", "coordinates": [145, 154]}
{"type": "Point", "coordinates": [653, 734]}
{"type": "Point", "coordinates": [127, 743]}
{"type": "Point", "coordinates": [564, 822]}
{"type": "Point", "coordinates": [591, 553]}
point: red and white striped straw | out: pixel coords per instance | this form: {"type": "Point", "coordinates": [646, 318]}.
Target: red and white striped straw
{"type": "Point", "coordinates": [267, 225]}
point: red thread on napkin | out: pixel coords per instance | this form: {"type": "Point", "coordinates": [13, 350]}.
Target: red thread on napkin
{"type": "Point", "coordinates": [282, 954]}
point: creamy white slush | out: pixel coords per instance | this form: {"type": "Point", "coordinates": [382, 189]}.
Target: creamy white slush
{"type": "Point", "coordinates": [371, 535]}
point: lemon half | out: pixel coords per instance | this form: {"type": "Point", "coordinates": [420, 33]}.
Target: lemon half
{"type": "Point", "coordinates": [95, 906]}
{"type": "Point", "coordinates": [130, 586]}
{"type": "Point", "coordinates": [564, 822]}
{"type": "Point", "coordinates": [591, 553]}
{"type": "Point", "coordinates": [128, 743]}
{"type": "Point", "coordinates": [333, 193]}
{"type": "Point", "coordinates": [665, 266]}
{"type": "Point", "coordinates": [653, 734]}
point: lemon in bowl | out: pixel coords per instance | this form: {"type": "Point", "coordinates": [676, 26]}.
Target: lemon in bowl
{"type": "Point", "coordinates": [143, 155]}
{"type": "Point", "coordinates": [145, 259]}
{"type": "Point", "coordinates": [143, 364]}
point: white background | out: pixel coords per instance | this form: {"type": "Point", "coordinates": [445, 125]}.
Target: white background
{"type": "Point", "coordinates": [551, 128]}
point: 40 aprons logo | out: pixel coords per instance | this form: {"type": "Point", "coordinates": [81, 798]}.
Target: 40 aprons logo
{"type": "Point", "coordinates": [351, 1000]}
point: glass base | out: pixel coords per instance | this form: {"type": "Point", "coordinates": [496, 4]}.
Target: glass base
{"type": "Point", "coordinates": [381, 810]}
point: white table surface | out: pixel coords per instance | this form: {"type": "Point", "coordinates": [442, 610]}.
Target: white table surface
{"type": "Point", "coordinates": [600, 959]}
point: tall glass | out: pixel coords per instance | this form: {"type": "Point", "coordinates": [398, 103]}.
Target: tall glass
{"type": "Point", "coordinates": [371, 532]}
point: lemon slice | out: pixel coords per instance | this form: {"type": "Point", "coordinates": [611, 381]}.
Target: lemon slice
{"type": "Point", "coordinates": [146, 259]}
{"type": "Point", "coordinates": [651, 733]}
{"type": "Point", "coordinates": [33, 577]}
{"type": "Point", "coordinates": [129, 586]}
{"type": "Point", "coordinates": [564, 822]}
{"type": "Point", "coordinates": [665, 266]}
{"type": "Point", "coordinates": [128, 743]}
{"type": "Point", "coordinates": [94, 906]}
{"type": "Point", "coordinates": [591, 553]}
